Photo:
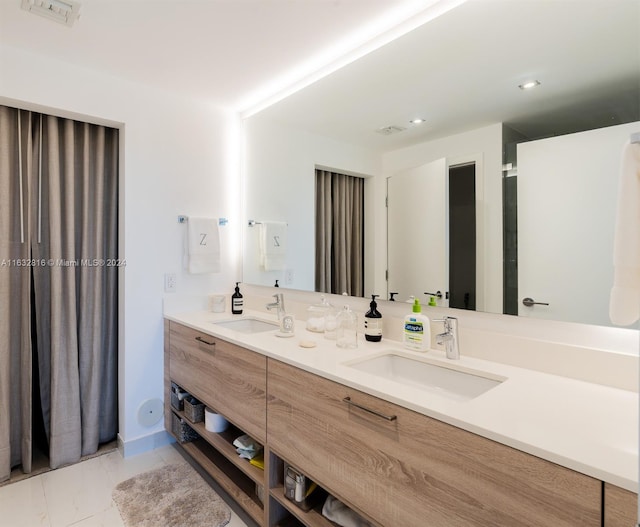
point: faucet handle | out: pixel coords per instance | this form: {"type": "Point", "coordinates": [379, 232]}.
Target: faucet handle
{"type": "Point", "coordinates": [448, 321]}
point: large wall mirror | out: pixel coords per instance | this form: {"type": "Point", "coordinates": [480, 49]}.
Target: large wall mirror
{"type": "Point", "coordinates": [545, 160]}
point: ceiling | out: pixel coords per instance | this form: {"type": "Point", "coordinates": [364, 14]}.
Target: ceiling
{"type": "Point", "coordinates": [459, 71]}
{"type": "Point", "coordinates": [230, 52]}
{"type": "Point", "coordinates": [462, 71]}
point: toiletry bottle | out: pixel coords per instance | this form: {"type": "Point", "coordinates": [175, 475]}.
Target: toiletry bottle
{"type": "Point", "coordinates": [417, 331]}
{"type": "Point", "coordinates": [373, 322]}
{"type": "Point", "coordinates": [236, 301]}
{"type": "Point", "coordinates": [347, 330]}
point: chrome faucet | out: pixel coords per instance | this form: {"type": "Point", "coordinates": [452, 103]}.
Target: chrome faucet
{"type": "Point", "coordinates": [278, 305]}
{"type": "Point", "coordinates": [450, 337]}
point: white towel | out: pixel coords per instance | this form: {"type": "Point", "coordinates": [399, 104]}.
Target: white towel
{"type": "Point", "coordinates": [273, 245]}
{"type": "Point", "coordinates": [202, 253]}
{"type": "Point", "coordinates": [336, 511]}
{"type": "Point", "coordinates": [624, 305]}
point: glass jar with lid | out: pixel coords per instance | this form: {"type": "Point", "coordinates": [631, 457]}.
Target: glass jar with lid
{"type": "Point", "coordinates": [316, 314]}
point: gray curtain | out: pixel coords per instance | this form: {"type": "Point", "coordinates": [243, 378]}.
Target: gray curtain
{"type": "Point", "coordinates": [73, 215]}
{"type": "Point", "coordinates": [339, 233]}
{"type": "Point", "coordinates": [15, 291]}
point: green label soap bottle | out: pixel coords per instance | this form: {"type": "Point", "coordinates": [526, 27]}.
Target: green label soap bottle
{"type": "Point", "coordinates": [417, 329]}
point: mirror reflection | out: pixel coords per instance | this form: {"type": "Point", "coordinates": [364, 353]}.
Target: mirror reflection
{"type": "Point", "coordinates": [545, 159]}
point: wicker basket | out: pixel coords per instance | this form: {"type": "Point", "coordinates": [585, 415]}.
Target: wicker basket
{"type": "Point", "coordinates": [193, 410]}
{"type": "Point", "coordinates": [182, 431]}
{"type": "Point", "coordinates": [176, 402]}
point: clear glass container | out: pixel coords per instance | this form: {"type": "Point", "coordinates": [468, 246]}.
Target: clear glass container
{"type": "Point", "coordinates": [330, 323]}
{"type": "Point", "coordinates": [347, 329]}
{"type": "Point", "coordinates": [316, 315]}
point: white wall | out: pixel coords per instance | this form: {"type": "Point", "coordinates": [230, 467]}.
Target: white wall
{"type": "Point", "coordinates": [179, 156]}
{"type": "Point", "coordinates": [279, 172]}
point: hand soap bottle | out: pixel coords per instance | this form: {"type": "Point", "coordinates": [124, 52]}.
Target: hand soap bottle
{"type": "Point", "coordinates": [236, 301]}
{"type": "Point", "coordinates": [417, 330]}
{"type": "Point", "coordinates": [373, 322]}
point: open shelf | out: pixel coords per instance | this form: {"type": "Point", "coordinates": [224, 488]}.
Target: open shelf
{"type": "Point", "coordinates": [310, 518]}
{"type": "Point", "coordinates": [223, 443]}
{"type": "Point", "coordinates": [235, 482]}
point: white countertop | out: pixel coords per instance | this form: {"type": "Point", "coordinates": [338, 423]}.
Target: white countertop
{"type": "Point", "coordinates": [587, 427]}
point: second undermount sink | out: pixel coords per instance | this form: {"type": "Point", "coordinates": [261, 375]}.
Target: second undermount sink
{"type": "Point", "coordinates": [454, 383]}
{"type": "Point", "coordinates": [247, 325]}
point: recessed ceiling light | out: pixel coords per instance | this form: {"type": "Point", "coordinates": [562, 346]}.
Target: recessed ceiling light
{"type": "Point", "coordinates": [529, 84]}
{"type": "Point", "coordinates": [63, 11]}
{"type": "Point", "coordinates": [417, 121]}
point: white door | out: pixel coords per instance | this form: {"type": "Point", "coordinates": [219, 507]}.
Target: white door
{"type": "Point", "coordinates": [417, 246]}
{"type": "Point", "coordinates": [567, 192]}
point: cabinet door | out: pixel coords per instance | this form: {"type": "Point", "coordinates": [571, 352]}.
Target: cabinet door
{"type": "Point", "coordinates": [620, 507]}
{"type": "Point", "coordinates": [226, 377]}
{"type": "Point", "coordinates": [402, 468]}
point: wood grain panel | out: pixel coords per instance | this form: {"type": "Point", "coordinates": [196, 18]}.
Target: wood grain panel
{"type": "Point", "coordinates": [167, 380]}
{"type": "Point", "coordinates": [413, 470]}
{"type": "Point", "coordinates": [620, 507]}
{"type": "Point", "coordinates": [227, 378]}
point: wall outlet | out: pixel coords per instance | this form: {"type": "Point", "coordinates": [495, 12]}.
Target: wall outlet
{"type": "Point", "coordinates": [288, 277]}
{"type": "Point", "coordinates": [170, 282]}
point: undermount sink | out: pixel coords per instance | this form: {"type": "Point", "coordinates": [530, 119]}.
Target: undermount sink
{"type": "Point", "coordinates": [247, 325]}
{"type": "Point", "coordinates": [458, 384]}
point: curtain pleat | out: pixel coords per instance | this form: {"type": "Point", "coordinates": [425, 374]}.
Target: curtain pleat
{"type": "Point", "coordinates": [339, 233]}
{"type": "Point", "coordinates": [75, 292]}
{"type": "Point", "coordinates": [15, 290]}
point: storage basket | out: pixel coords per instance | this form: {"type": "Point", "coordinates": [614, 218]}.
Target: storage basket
{"type": "Point", "coordinates": [193, 410]}
{"type": "Point", "coordinates": [176, 401]}
{"type": "Point", "coordinates": [182, 431]}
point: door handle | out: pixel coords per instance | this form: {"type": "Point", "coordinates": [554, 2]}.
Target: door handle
{"type": "Point", "coordinates": [530, 302]}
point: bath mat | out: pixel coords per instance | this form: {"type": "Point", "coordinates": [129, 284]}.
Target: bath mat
{"type": "Point", "coordinates": [171, 496]}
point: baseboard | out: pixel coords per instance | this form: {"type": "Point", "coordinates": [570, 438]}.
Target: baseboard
{"type": "Point", "coordinates": [144, 443]}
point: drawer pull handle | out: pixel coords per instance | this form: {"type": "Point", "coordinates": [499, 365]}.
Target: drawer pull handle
{"type": "Point", "coordinates": [200, 339]}
{"type": "Point", "coordinates": [374, 412]}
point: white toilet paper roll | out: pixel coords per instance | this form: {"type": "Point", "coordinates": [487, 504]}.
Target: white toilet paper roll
{"type": "Point", "coordinates": [214, 422]}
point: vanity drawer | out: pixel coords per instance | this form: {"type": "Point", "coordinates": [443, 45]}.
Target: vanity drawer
{"type": "Point", "coordinates": [230, 379]}
{"type": "Point", "coordinates": [403, 468]}
{"type": "Point", "coordinates": [620, 507]}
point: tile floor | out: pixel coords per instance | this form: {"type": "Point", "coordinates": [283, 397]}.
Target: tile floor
{"type": "Point", "coordinates": [80, 495]}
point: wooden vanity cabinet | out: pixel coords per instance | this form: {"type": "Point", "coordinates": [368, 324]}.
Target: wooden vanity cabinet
{"type": "Point", "coordinates": [401, 468]}
{"type": "Point", "coordinates": [228, 378]}
{"type": "Point", "coordinates": [232, 381]}
{"type": "Point", "coordinates": [620, 507]}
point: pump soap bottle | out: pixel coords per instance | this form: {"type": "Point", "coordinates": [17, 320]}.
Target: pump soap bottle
{"type": "Point", "coordinates": [236, 301]}
{"type": "Point", "coordinates": [417, 330]}
{"type": "Point", "coordinates": [373, 322]}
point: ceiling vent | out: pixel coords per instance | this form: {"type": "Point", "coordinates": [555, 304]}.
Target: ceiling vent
{"type": "Point", "coordinates": [389, 130]}
{"type": "Point", "coordinates": [64, 11]}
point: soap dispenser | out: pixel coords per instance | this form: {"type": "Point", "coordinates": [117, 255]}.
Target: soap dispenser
{"type": "Point", "coordinates": [373, 322]}
{"type": "Point", "coordinates": [417, 329]}
{"type": "Point", "coordinates": [236, 301]}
